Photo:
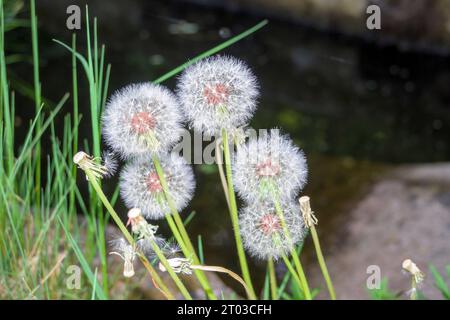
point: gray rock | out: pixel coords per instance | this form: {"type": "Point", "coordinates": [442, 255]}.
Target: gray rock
{"type": "Point", "coordinates": [406, 214]}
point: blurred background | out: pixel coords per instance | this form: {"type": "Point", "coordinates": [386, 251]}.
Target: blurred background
{"type": "Point", "coordinates": [370, 108]}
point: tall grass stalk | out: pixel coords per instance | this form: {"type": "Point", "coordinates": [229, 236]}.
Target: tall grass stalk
{"type": "Point", "coordinates": [37, 94]}
{"type": "Point", "coordinates": [98, 79]}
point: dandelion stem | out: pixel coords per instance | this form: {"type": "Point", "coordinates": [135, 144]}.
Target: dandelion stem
{"type": "Point", "coordinates": [234, 216]}
{"type": "Point", "coordinates": [154, 275]}
{"type": "Point", "coordinates": [273, 279]}
{"type": "Point", "coordinates": [293, 272]}
{"type": "Point", "coordinates": [223, 180]}
{"type": "Point", "coordinates": [297, 263]}
{"type": "Point", "coordinates": [323, 266]}
{"type": "Point", "coordinates": [177, 227]}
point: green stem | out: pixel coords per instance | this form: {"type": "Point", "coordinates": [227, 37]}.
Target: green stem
{"type": "Point", "coordinates": [323, 266]}
{"type": "Point", "coordinates": [234, 216]}
{"type": "Point", "coordinates": [292, 271]}
{"type": "Point", "coordinates": [37, 96]}
{"type": "Point", "coordinates": [301, 274]}
{"type": "Point", "coordinates": [169, 269]}
{"type": "Point", "coordinates": [297, 263]}
{"type": "Point", "coordinates": [273, 279]}
{"type": "Point", "coordinates": [177, 227]}
{"type": "Point", "coordinates": [127, 234]}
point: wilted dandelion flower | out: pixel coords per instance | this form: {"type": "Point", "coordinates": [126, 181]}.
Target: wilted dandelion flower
{"type": "Point", "coordinates": [270, 164]}
{"type": "Point", "coordinates": [142, 118]}
{"type": "Point", "coordinates": [92, 164]}
{"type": "Point", "coordinates": [217, 93]}
{"type": "Point", "coordinates": [127, 253]}
{"type": "Point", "coordinates": [140, 186]}
{"type": "Point", "coordinates": [178, 265]}
{"type": "Point", "coordinates": [262, 229]}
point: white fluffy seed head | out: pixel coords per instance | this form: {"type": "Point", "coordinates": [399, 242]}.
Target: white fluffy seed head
{"type": "Point", "coordinates": [269, 163]}
{"type": "Point", "coordinates": [262, 231]}
{"type": "Point", "coordinates": [142, 118]}
{"type": "Point", "coordinates": [217, 93]}
{"type": "Point", "coordinates": [140, 186]}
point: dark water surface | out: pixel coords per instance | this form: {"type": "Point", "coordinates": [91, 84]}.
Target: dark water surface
{"type": "Point", "coordinates": [352, 106]}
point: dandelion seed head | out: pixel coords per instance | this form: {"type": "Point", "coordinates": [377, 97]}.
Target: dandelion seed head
{"type": "Point", "coordinates": [270, 163]}
{"type": "Point", "coordinates": [217, 93]}
{"type": "Point", "coordinates": [140, 186]}
{"type": "Point", "coordinates": [262, 230]}
{"type": "Point", "coordinates": [142, 118]}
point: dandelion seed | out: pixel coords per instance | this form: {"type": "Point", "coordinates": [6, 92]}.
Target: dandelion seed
{"type": "Point", "coordinates": [268, 165]}
{"type": "Point", "coordinates": [263, 233]}
{"type": "Point", "coordinates": [217, 93]}
{"type": "Point", "coordinates": [140, 186]}
{"type": "Point", "coordinates": [142, 118]}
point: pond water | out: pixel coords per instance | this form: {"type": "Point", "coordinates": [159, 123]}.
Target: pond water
{"type": "Point", "coordinates": [354, 108]}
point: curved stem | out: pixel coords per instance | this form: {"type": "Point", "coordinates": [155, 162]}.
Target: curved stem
{"type": "Point", "coordinates": [179, 231]}
{"type": "Point", "coordinates": [224, 270]}
{"type": "Point", "coordinates": [234, 216]}
{"type": "Point", "coordinates": [153, 274]}
{"type": "Point", "coordinates": [323, 266]}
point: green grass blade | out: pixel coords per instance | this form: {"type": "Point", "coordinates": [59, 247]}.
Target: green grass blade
{"type": "Point", "coordinates": [85, 266]}
{"type": "Point", "coordinates": [212, 51]}
{"type": "Point", "coordinates": [440, 282]}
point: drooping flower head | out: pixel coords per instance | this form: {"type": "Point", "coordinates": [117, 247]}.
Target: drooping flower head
{"type": "Point", "coordinates": [126, 252]}
{"type": "Point", "coordinates": [217, 93]}
{"type": "Point", "coordinates": [267, 165]}
{"type": "Point", "coordinates": [140, 186]}
{"type": "Point", "coordinates": [262, 229]}
{"type": "Point", "coordinates": [142, 118]}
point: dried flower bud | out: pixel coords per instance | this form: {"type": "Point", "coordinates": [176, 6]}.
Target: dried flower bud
{"type": "Point", "coordinates": [409, 266]}
{"type": "Point", "coordinates": [179, 265]}
{"type": "Point", "coordinates": [86, 162]}
{"type": "Point", "coordinates": [308, 215]}
{"type": "Point", "coordinates": [127, 253]}
{"type": "Point", "coordinates": [140, 226]}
